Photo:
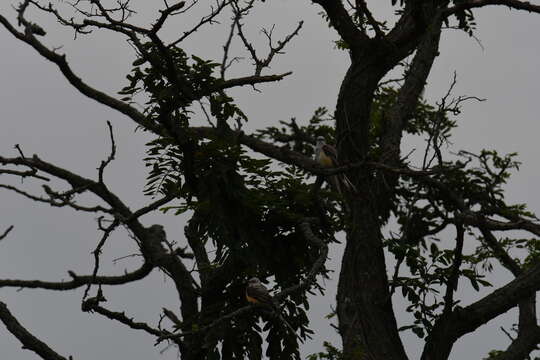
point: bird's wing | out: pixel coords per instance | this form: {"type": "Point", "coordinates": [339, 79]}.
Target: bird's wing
{"type": "Point", "coordinates": [331, 152]}
{"type": "Point", "coordinates": [260, 294]}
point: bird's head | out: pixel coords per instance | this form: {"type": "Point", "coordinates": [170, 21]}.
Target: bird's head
{"type": "Point", "coordinates": [254, 281]}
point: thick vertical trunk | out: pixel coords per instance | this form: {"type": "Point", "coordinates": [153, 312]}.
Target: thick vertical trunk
{"type": "Point", "coordinates": [366, 319]}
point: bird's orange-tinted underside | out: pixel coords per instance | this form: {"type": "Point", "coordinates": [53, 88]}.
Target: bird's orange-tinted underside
{"type": "Point", "coordinates": [252, 300]}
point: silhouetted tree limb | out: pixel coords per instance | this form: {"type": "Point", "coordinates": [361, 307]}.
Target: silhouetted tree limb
{"type": "Point", "coordinates": [28, 340]}
{"type": "Point", "coordinates": [342, 22]}
{"type": "Point", "coordinates": [6, 233]}
{"type": "Point", "coordinates": [91, 305]}
{"type": "Point", "coordinates": [80, 280]}
{"type": "Point", "coordinates": [471, 4]}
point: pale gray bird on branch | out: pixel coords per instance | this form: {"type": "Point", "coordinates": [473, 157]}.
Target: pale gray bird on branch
{"type": "Point", "coordinates": [257, 293]}
{"type": "Point", "coordinates": [326, 155]}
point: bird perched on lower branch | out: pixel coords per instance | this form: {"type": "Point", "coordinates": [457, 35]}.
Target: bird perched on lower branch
{"type": "Point", "coordinates": [257, 293]}
{"type": "Point", "coordinates": [326, 155]}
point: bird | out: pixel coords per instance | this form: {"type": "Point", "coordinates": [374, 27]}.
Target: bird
{"type": "Point", "coordinates": [326, 155]}
{"type": "Point", "coordinates": [257, 293]}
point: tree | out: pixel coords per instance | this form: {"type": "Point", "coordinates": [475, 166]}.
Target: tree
{"type": "Point", "coordinates": [242, 207]}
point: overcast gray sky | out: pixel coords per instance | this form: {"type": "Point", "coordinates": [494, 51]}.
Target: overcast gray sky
{"type": "Point", "coordinates": [41, 112]}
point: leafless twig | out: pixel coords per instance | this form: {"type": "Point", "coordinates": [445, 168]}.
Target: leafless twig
{"type": "Point", "coordinates": [106, 162]}
{"type": "Point", "coordinates": [8, 230]}
{"type": "Point", "coordinates": [209, 19]}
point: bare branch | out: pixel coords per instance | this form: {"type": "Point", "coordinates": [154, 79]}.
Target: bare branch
{"type": "Point", "coordinates": [251, 80]}
{"type": "Point", "coordinates": [30, 173]}
{"type": "Point", "coordinates": [208, 19]}
{"type": "Point", "coordinates": [153, 206]}
{"type": "Point", "coordinates": [409, 93]}
{"type": "Point", "coordinates": [55, 199]}
{"type": "Point", "coordinates": [92, 304]}
{"type": "Point", "coordinates": [6, 233]}
{"type": "Point", "coordinates": [106, 233]}
{"type": "Point", "coordinates": [28, 340]}
{"type": "Point", "coordinates": [111, 155]}
{"type": "Point", "coordinates": [80, 280]}
{"type": "Point", "coordinates": [276, 50]}
{"type": "Point", "coordinates": [149, 239]}
{"type": "Point", "coordinates": [165, 14]}
{"type": "Point", "coordinates": [259, 63]}
{"type": "Point", "coordinates": [224, 63]}
{"type": "Point", "coordinates": [106, 14]}
{"type": "Point", "coordinates": [471, 4]}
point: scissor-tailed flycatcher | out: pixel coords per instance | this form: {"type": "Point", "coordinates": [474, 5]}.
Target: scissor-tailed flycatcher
{"type": "Point", "coordinates": [257, 293]}
{"type": "Point", "coordinates": [327, 156]}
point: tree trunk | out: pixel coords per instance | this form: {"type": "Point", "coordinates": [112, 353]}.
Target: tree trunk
{"type": "Point", "coordinates": [366, 320]}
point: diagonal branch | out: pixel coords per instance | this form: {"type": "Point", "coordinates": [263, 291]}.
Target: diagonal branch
{"type": "Point", "coordinates": [153, 206]}
{"type": "Point", "coordinates": [521, 347]}
{"type": "Point", "coordinates": [208, 19]}
{"type": "Point", "coordinates": [343, 23]}
{"type": "Point", "coordinates": [28, 340]}
{"type": "Point", "coordinates": [465, 320]}
{"type": "Point", "coordinates": [528, 330]}
{"type": "Point", "coordinates": [165, 14]}
{"type": "Point", "coordinates": [409, 93]}
{"type": "Point", "coordinates": [92, 304]}
{"type": "Point", "coordinates": [6, 233]}
{"type": "Point", "coordinates": [149, 239]}
{"type": "Point", "coordinates": [505, 259]}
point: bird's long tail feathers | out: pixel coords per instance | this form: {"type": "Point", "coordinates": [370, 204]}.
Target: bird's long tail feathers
{"type": "Point", "coordinates": [277, 312]}
{"type": "Point", "coordinates": [282, 319]}
{"type": "Point", "coordinates": [335, 182]}
{"type": "Point", "coordinates": [347, 183]}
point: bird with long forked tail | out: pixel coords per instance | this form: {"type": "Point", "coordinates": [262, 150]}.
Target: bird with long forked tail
{"type": "Point", "coordinates": [257, 293]}
{"type": "Point", "coordinates": [326, 155]}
